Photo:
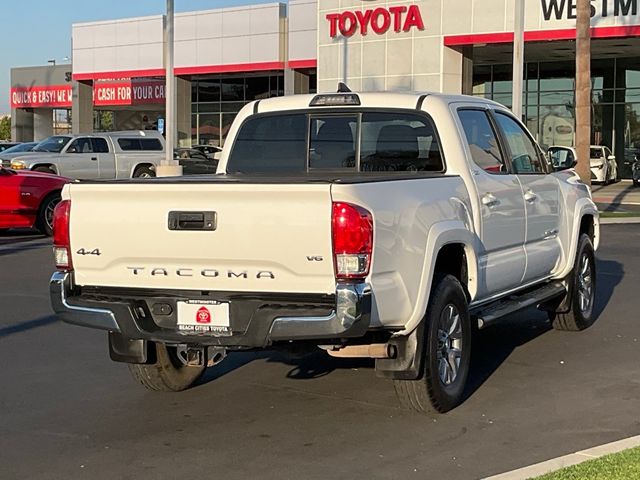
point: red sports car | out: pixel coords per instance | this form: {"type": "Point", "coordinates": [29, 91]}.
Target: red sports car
{"type": "Point", "coordinates": [27, 199]}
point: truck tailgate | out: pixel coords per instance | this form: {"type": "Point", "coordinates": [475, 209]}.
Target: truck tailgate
{"type": "Point", "coordinates": [268, 238]}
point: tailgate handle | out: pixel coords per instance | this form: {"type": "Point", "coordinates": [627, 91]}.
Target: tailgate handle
{"type": "Point", "coordinates": [192, 221]}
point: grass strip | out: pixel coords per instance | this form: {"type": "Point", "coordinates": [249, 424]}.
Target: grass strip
{"type": "Point", "coordinates": [618, 466]}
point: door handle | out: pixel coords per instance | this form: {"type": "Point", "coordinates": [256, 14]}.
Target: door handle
{"type": "Point", "coordinates": [530, 197]}
{"type": "Point", "coordinates": [489, 200]}
{"type": "Point", "coordinates": [94, 158]}
{"type": "Point", "coordinates": [551, 234]}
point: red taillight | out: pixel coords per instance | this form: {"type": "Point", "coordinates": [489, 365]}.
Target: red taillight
{"type": "Point", "coordinates": [61, 242]}
{"type": "Point", "coordinates": [352, 230]}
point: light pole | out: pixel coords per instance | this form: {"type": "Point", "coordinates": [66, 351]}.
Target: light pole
{"type": "Point", "coordinates": [518, 59]}
{"type": "Point", "coordinates": [169, 167]}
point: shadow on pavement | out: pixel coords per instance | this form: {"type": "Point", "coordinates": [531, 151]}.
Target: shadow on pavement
{"type": "Point", "coordinates": [28, 325]}
{"type": "Point", "coordinates": [618, 200]}
{"type": "Point", "coordinates": [19, 240]}
{"type": "Point", "coordinates": [491, 347]}
{"type": "Point", "coordinates": [610, 275]}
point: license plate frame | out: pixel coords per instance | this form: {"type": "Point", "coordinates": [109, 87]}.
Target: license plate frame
{"type": "Point", "coordinates": [203, 317]}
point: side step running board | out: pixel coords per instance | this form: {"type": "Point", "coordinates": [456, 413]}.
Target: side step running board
{"type": "Point", "coordinates": [488, 314]}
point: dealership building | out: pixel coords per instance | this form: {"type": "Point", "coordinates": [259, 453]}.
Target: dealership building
{"type": "Point", "coordinates": [228, 57]}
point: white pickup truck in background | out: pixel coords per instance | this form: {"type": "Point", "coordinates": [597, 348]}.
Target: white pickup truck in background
{"type": "Point", "coordinates": [384, 225]}
{"type": "Point", "coordinates": [109, 155]}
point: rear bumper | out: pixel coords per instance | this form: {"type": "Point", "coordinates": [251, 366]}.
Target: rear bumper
{"type": "Point", "coordinates": [257, 320]}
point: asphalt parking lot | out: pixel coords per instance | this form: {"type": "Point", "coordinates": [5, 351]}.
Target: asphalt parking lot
{"type": "Point", "coordinates": [67, 411]}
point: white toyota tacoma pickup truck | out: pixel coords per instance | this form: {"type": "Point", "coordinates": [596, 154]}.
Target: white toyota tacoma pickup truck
{"type": "Point", "coordinates": [382, 225]}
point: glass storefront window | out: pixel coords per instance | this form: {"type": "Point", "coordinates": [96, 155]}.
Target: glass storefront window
{"type": "Point", "coordinates": [232, 89]}
{"type": "Point", "coordinates": [209, 129]}
{"type": "Point", "coordinates": [257, 88]}
{"type": "Point", "coordinates": [213, 107]}
{"type": "Point", "coordinates": [557, 76]}
{"type": "Point", "coordinates": [194, 129]}
{"type": "Point", "coordinates": [502, 79]}
{"type": "Point", "coordinates": [276, 85]}
{"type": "Point", "coordinates": [549, 102]}
{"type": "Point", "coordinates": [482, 81]}
{"type": "Point", "coordinates": [232, 106]}
{"type": "Point", "coordinates": [209, 90]}
{"type": "Point", "coordinates": [557, 125]}
{"type": "Point", "coordinates": [217, 100]}
{"type": "Point", "coordinates": [556, 98]}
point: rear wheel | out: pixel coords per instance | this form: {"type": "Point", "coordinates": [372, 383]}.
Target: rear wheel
{"type": "Point", "coordinates": [582, 290]}
{"type": "Point", "coordinates": [144, 172]}
{"type": "Point", "coordinates": [168, 374]}
{"type": "Point", "coordinates": [44, 220]}
{"type": "Point", "coordinates": [447, 352]}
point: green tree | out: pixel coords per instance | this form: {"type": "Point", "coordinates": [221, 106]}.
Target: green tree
{"type": "Point", "coordinates": [5, 128]}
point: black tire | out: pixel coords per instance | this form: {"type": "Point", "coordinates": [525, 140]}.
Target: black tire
{"type": "Point", "coordinates": [581, 312]}
{"type": "Point", "coordinates": [45, 170]}
{"type": "Point", "coordinates": [44, 219]}
{"type": "Point", "coordinates": [430, 392]}
{"type": "Point", "coordinates": [144, 172]}
{"type": "Point", "coordinates": [167, 374]}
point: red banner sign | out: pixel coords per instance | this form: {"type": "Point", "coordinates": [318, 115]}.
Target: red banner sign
{"type": "Point", "coordinates": [53, 96]}
{"type": "Point", "coordinates": [128, 92]}
{"type": "Point", "coordinates": [380, 20]}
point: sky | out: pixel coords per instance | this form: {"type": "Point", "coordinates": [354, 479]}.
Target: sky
{"type": "Point", "coordinates": [36, 31]}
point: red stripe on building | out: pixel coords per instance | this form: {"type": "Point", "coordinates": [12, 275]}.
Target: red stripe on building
{"type": "Point", "coordinates": [156, 72]}
{"type": "Point", "coordinates": [310, 63]}
{"type": "Point", "coordinates": [540, 36]}
{"type": "Point", "coordinates": [199, 70]}
{"type": "Point", "coordinates": [230, 68]}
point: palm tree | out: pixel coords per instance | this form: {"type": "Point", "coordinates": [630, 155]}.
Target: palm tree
{"type": "Point", "coordinates": [583, 89]}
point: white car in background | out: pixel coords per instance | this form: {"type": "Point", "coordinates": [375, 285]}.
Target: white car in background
{"type": "Point", "coordinates": [604, 168]}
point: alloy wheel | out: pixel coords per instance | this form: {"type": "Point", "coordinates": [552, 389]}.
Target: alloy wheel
{"type": "Point", "coordinates": [449, 350]}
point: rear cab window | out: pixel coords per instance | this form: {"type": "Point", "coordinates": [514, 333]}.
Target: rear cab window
{"type": "Point", "coordinates": [346, 141]}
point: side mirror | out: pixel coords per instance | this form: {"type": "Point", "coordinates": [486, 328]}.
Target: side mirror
{"type": "Point", "coordinates": [611, 157]}
{"type": "Point", "coordinates": [72, 150]}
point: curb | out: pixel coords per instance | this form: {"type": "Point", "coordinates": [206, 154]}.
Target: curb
{"type": "Point", "coordinates": [568, 460]}
{"type": "Point", "coordinates": [617, 221]}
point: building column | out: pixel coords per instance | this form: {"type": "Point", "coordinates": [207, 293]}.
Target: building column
{"type": "Point", "coordinates": [82, 108]}
{"type": "Point", "coordinates": [42, 123]}
{"type": "Point", "coordinates": [295, 82]}
{"type": "Point", "coordinates": [467, 70]}
{"type": "Point", "coordinates": [452, 71]}
{"type": "Point", "coordinates": [22, 125]}
{"type": "Point", "coordinates": [183, 111]}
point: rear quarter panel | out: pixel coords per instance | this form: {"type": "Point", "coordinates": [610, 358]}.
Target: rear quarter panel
{"type": "Point", "coordinates": [412, 220]}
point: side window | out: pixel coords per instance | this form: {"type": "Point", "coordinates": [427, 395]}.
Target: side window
{"type": "Point", "coordinates": [482, 141]}
{"type": "Point", "coordinates": [129, 144]}
{"type": "Point", "coordinates": [151, 144]}
{"type": "Point", "coordinates": [100, 145]}
{"type": "Point", "coordinates": [80, 145]}
{"type": "Point", "coordinates": [524, 154]}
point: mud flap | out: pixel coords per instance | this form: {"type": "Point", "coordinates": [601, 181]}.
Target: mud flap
{"type": "Point", "coordinates": [122, 349]}
{"type": "Point", "coordinates": [408, 361]}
